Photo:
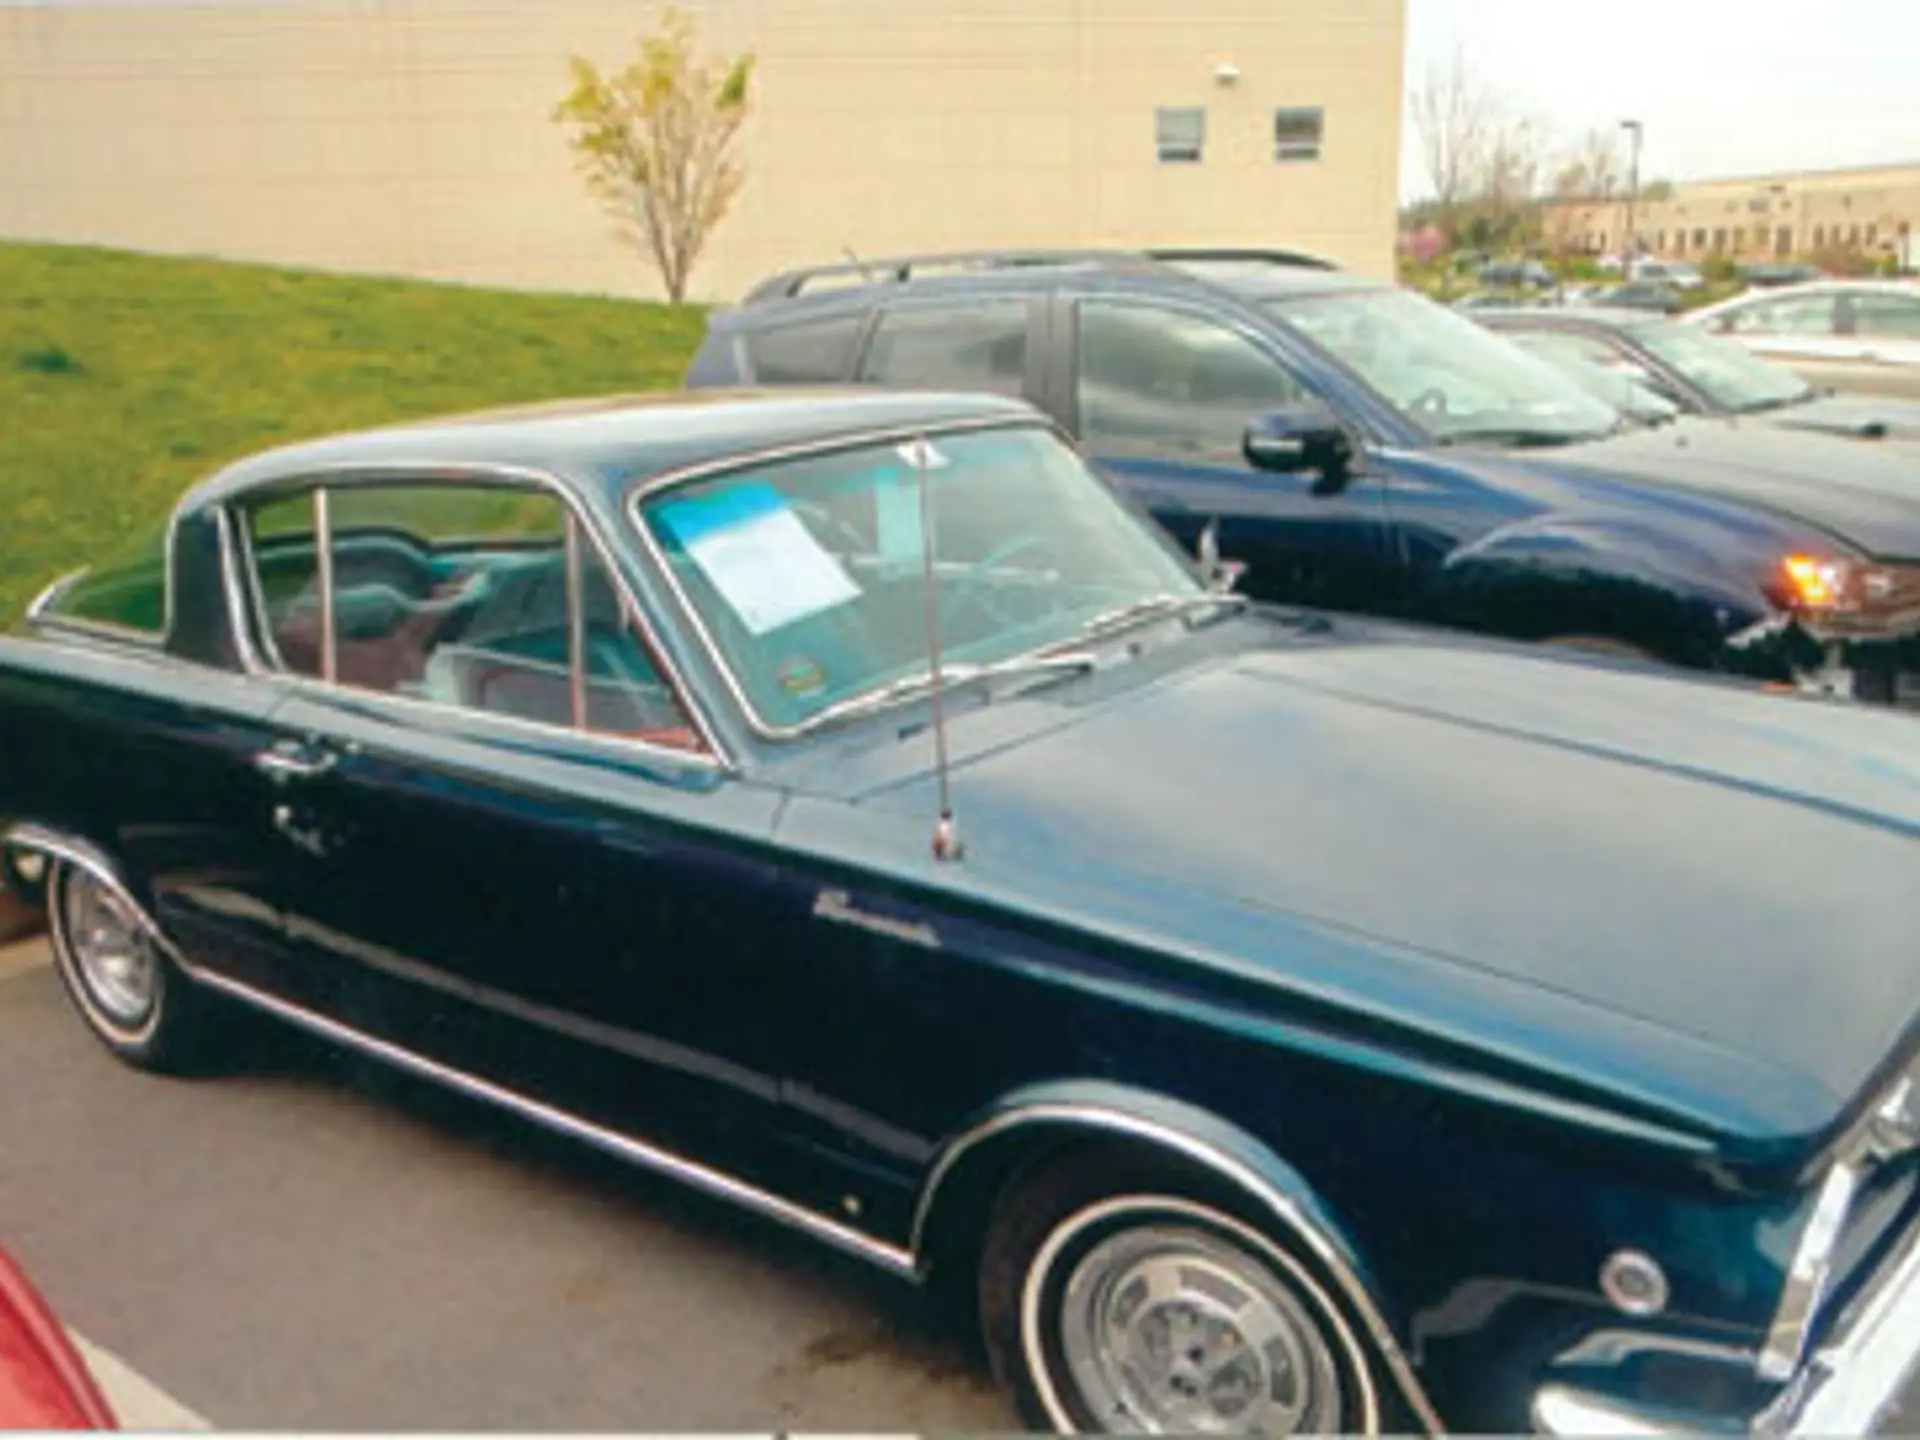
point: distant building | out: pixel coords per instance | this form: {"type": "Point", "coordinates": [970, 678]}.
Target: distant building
{"type": "Point", "coordinates": [412, 136]}
{"type": "Point", "coordinates": [1869, 209]}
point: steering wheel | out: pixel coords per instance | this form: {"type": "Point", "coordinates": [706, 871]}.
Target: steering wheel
{"type": "Point", "coordinates": [973, 587]}
{"type": "Point", "coordinates": [1430, 403]}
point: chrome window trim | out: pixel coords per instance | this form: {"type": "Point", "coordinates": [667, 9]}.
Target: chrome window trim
{"type": "Point", "coordinates": [1222, 1163]}
{"type": "Point", "coordinates": [243, 642]}
{"type": "Point", "coordinates": [645, 489]}
{"type": "Point", "coordinates": [355, 473]}
{"type": "Point", "coordinates": [613, 746]}
{"type": "Point", "coordinates": [618, 1143]}
{"type": "Point", "coordinates": [323, 571]}
{"type": "Point", "coordinates": [36, 607]}
{"type": "Point", "coordinates": [41, 613]}
{"type": "Point", "coordinates": [576, 628]}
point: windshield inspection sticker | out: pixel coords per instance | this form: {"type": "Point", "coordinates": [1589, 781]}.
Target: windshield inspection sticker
{"type": "Point", "coordinates": [764, 562]}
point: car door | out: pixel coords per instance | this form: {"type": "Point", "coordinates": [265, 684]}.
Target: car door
{"type": "Point", "coordinates": [1162, 399]}
{"type": "Point", "coordinates": [508, 849]}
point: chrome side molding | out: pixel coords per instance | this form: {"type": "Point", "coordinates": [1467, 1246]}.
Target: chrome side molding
{"type": "Point", "coordinates": [625, 1147]}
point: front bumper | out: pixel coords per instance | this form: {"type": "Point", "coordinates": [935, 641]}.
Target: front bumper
{"type": "Point", "coordinates": [1845, 1388]}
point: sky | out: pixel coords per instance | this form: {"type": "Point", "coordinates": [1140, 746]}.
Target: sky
{"type": "Point", "coordinates": [1723, 87]}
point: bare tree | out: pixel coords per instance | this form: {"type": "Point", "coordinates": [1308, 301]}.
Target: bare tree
{"type": "Point", "coordinates": [1453, 112]}
{"type": "Point", "coordinates": [654, 141]}
{"type": "Point", "coordinates": [1593, 170]}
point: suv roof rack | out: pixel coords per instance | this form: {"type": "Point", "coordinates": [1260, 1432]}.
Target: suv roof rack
{"type": "Point", "coordinates": [899, 269]}
{"type": "Point", "coordinates": [1239, 255]}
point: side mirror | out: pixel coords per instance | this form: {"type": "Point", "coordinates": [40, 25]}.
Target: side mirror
{"type": "Point", "coordinates": [1300, 439]}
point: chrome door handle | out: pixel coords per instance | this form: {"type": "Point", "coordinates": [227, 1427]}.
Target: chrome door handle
{"type": "Point", "coordinates": [306, 837]}
{"type": "Point", "coordinates": [293, 764]}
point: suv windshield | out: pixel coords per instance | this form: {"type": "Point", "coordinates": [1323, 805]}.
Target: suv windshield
{"type": "Point", "coordinates": [806, 574]}
{"type": "Point", "coordinates": [1455, 379]}
{"type": "Point", "coordinates": [1731, 376]}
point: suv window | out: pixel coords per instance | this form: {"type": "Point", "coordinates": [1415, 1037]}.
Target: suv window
{"type": "Point", "coordinates": [460, 595]}
{"type": "Point", "coordinates": [812, 352]}
{"type": "Point", "coordinates": [1167, 384]}
{"type": "Point", "coordinates": [1789, 315]}
{"type": "Point", "coordinates": [1894, 317]}
{"type": "Point", "coordinates": [128, 592]}
{"type": "Point", "coordinates": [978, 345]}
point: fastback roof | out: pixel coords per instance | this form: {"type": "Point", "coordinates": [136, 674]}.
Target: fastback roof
{"type": "Point", "coordinates": [604, 443]}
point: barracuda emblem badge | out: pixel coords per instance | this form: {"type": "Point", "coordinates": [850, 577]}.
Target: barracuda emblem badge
{"type": "Point", "coordinates": [837, 905]}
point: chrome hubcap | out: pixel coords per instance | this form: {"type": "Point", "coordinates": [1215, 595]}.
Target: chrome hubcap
{"type": "Point", "coordinates": [1175, 1330]}
{"type": "Point", "coordinates": [114, 957]}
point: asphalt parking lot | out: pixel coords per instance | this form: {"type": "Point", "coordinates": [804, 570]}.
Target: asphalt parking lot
{"type": "Point", "coordinates": [310, 1243]}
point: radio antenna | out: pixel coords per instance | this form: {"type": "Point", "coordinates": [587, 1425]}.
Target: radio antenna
{"type": "Point", "coordinates": [861, 265]}
{"type": "Point", "coordinates": [946, 834]}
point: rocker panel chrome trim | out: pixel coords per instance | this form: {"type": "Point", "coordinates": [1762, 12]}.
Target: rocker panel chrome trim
{"type": "Point", "coordinates": [637, 1152]}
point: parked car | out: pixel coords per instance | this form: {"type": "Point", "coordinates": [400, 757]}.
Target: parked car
{"type": "Point", "coordinates": [1768, 274]}
{"type": "Point", "coordinates": [1612, 384]}
{"type": "Point", "coordinates": [1677, 273]}
{"type": "Point", "coordinates": [1403, 461]}
{"type": "Point", "coordinates": [1704, 374]}
{"type": "Point", "coordinates": [1518, 274]}
{"type": "Point", "coordinates": [1847, 334]}
{"type": "Point", "coordinates": [44, 1382]}
{"type": "Point", "coordinates": [1655, 295]}
{"type": "Point", "coordinates": [849, 806]}
{"type": "Point", "coordinates": [1495, 300]}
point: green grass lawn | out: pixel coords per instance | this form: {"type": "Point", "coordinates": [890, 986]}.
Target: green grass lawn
{"type": "Point", "coordinates": [123, 378]}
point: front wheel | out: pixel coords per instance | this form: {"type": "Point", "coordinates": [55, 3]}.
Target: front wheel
{"type": "Point", "coordinates": [133, 998]}
{"type": "Point", "coordinates": [1113, 1306]}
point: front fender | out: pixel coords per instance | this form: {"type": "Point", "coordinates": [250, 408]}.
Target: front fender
{"type": "Point", "coordinates": [1091, 1107]}
{"type": "Point", "coordinates": [1663, 589]}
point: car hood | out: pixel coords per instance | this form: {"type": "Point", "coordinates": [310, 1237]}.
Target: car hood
{"type": "Point", "coordinates": [1855, 417]}
{"type": "Point", "coordinates": [1683, 892]}
{"type": "Point", "coordinates": [1864, 496]}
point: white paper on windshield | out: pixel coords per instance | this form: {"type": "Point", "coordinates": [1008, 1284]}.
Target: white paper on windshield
{"type": "Point", "coordinates": [759, 556]}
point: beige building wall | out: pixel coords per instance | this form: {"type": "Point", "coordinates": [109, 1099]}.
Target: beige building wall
{"type": "Point", "coordinates": [412, 136]}
{"type": "Point", "coordinates": [1869, 209]}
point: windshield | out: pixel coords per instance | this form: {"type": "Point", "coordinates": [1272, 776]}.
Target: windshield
{"type": "Point", "coordinates": [807, 573]}
{"type": "Point", "coordinates": [1569, 353]}
{"type": "Point", "coordinates": [1452, 377]}
{"type": "Point", "coordinates": [1725, 371]}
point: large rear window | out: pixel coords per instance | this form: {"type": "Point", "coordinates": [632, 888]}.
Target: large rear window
{"type": "Point", "coordinates": [126, 592]}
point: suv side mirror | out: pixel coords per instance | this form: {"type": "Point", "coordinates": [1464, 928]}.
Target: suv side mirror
{"type": "Point", "coordinates": [1299, 439]}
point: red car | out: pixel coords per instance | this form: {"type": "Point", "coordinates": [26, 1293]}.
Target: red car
{"type": "Point", "coordinates": [44, 1384]}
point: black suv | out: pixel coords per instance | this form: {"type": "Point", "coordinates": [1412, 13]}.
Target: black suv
{"type": "Point", "coordinates": [1361, 448]}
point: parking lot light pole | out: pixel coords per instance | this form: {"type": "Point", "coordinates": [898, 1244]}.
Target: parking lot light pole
{"type": "Point", "coordinates": [1633, 199]}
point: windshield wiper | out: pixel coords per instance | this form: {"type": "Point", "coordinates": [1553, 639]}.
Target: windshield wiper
{"type": "Point", "coordinates": [1760, 407]}
{"type": "Point", "coordinates": [1520, 437]}
{"type": "Point", "coordinates": [1157, 607]}
{"type": "Point", "coordinates": [908, 687]}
